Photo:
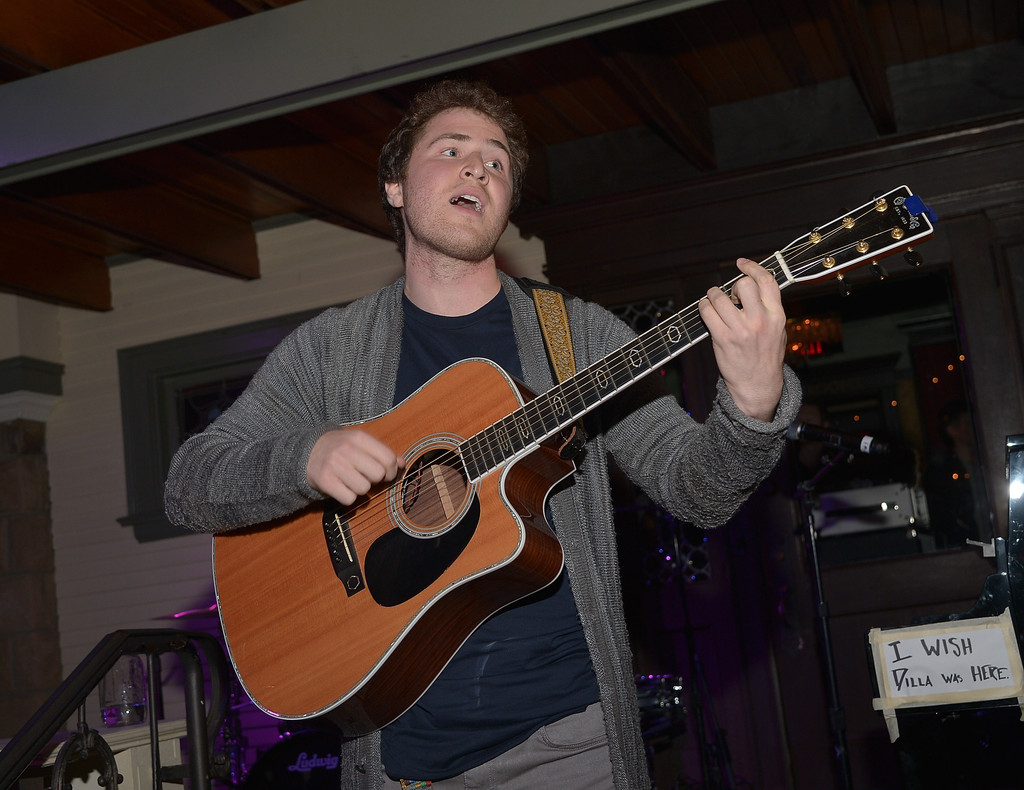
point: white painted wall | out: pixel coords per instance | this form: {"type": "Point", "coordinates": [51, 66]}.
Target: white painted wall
{"type": "Point", "coordinates": [28, 328]}
{"type": "Point", "coordinates": [105, 579]}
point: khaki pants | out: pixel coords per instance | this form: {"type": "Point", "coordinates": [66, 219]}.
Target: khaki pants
{"type": "Point", "coordinates": [569, 753]}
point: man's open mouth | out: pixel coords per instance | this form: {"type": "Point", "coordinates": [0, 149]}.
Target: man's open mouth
{"type": "Point", "coordinates": [467, 200]}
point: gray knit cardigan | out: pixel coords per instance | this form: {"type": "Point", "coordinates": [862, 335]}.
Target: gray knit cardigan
{"type": "Point", "coordinates": [341, 367]}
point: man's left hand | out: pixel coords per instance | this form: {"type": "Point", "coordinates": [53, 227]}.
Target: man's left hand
{"type": "Point", "coordinates": [748, 332]}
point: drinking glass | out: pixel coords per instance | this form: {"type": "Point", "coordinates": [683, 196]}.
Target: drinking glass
{"type": "Point", "coordinates": [123, 693]}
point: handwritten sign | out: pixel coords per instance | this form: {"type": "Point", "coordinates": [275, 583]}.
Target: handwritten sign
{"type": "Point", "coordinates": [946, 663]}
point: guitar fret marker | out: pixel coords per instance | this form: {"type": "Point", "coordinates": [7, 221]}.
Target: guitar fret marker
{"type": "Point", "coordinates": [503, 439]}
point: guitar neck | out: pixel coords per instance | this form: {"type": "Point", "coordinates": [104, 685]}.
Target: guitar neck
{"type": "Point", "coordinates": [553, 411]}
{"type": "Point", "coordinates": [877, 229]}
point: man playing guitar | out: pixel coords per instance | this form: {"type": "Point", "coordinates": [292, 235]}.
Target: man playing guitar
{"type": "Point", "coordinates": [539, 692]}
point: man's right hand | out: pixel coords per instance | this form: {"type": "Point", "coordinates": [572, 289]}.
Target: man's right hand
{"type": "Point", "coordinates": [345, 463]}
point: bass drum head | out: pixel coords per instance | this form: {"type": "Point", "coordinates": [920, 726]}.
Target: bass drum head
{"type": "Point", "coordinates": [305, 760]}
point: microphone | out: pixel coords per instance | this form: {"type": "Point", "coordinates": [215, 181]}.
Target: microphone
{"type": "Point", "coordinates": [856, 443]}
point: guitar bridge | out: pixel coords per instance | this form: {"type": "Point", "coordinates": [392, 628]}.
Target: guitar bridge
{"type": "Point", "coordinates": [341, 549]}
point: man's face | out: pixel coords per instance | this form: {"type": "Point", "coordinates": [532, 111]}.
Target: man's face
{"type": "Point", "coordinates": [456, 194]}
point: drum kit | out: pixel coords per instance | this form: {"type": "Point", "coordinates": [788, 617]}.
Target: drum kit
{"type": "Point", "coordinates": [662, 706]}
{"type": "Point", "coordinates": [301, 761]}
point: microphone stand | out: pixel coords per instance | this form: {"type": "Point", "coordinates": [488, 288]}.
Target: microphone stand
{"type": "Point", "coordinates": [837, 718]}
{"type": "Point", "coordinates": [715, 760]}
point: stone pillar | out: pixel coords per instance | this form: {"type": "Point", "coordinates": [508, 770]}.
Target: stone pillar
{"type": "Point", "coordinates": [30, 386]}
{"type": "Point", "coordinates": [30, 667]}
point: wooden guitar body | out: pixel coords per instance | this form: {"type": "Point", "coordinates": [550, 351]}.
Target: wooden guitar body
{"type": "Point", "coordinates": [361, 644]}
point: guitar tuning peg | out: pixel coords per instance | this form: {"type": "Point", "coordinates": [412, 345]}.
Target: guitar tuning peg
{"type": "Point", "coordinates": [879, 270]}
{"type": "Point", "coordinates": [913, 257]}
{"type": "Point", "coordinates": [844, 287]}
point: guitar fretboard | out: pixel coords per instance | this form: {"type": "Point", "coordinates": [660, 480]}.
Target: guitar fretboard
{"type": "Point", "coordinates": [874, 230]}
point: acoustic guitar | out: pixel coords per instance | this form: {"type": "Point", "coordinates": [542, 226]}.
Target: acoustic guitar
{"type": "Point", "coordinates": [350, 613]}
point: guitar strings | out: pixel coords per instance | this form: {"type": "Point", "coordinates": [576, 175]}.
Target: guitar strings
{"type": "Point", "coordinates": [687, 320]}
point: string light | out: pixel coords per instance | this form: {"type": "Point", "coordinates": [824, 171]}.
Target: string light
{"type": "Point", "coordinates": [814, 336]}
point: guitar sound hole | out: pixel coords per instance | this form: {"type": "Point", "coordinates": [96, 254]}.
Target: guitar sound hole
{"type": "Point", "coordinates": [434, 489]}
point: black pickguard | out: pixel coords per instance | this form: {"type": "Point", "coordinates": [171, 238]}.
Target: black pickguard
{"type": "Point", "coordinates": [399, 566]}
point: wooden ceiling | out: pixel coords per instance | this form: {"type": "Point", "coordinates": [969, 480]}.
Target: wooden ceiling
{"type": "Point", "coordinates": [593, 105]}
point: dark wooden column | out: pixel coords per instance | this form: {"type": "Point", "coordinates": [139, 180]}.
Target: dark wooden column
{"type": "Point", "coordinates": [30, 666]}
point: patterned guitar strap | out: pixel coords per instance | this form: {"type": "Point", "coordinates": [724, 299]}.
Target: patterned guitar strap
{"type": "Point", "coordinates": [554, 325]}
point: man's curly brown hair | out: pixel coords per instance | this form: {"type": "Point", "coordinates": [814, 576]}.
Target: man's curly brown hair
{"type": "Point", "coordinates": [432, 101]}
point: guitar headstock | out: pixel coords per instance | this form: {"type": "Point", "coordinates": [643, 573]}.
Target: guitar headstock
{"type": "Point", "coordinates": [884, 226]}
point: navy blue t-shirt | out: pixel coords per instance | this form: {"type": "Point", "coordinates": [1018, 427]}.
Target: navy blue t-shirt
{"type": "Point", "coordinates": [526, 666]}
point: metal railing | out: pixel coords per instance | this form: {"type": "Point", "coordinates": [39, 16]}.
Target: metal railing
{"type": "Point", "coordinates": [202, 726]}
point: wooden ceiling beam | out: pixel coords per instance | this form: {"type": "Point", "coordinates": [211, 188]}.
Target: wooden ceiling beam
{"type": "Point", "coordinates": [164, 222]}
{"type": "Point", "coordinates": [276, 152]}
{"type": "Point", "coordinates": [863, 54]}
{"type": "Point", "coordinates": [212, 182]}
{"type": "Point", "coordinates": [38, 269]}
{"type": "Point", "coordinates": [649, 78]}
